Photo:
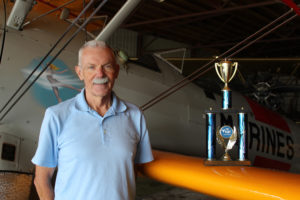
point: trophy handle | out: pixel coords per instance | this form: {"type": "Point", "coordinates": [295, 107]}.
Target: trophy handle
{"type": "Point", "coordinates": [216, 67]}
{"type": "Point", "coordinates": [235, 69]}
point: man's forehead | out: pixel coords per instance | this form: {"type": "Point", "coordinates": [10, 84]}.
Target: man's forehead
{"type": "Point", "coordinates": [98, 53]}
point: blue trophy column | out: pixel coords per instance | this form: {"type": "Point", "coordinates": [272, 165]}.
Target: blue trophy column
{"type": "Point", "coordinates": [211, 135]}
{"type": "Point", "coordinates": [242, 120]}
{"type": "Point", "coordinates": [226, 99]}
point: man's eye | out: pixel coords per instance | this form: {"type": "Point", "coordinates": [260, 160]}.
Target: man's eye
{"type": "Point", "coordinates": [91, 67]}
{"type": "Point", "coordinates": [108, 67]}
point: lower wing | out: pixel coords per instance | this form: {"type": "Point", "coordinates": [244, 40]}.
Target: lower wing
{"type": "Point", "coordinates": [228, 182]}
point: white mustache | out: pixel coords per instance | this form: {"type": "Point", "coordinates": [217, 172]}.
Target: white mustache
{"type": "Point", "coordinates": [100, 80]}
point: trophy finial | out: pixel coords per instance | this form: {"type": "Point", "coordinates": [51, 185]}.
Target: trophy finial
{"type": "Point", "coordinates": [226, 71]}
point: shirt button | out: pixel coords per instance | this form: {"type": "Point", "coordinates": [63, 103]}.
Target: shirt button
{"type": "Point", "coordinates": [104, 131]}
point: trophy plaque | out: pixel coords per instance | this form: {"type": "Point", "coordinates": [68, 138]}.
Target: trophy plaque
{"type": "Point", "coordinates": [226, 135]}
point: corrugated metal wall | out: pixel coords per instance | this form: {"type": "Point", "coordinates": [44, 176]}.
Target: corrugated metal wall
{"type": "Point", "coordinates": [154, 44]}
{"type": "Point", "coordinates": [124, 40]}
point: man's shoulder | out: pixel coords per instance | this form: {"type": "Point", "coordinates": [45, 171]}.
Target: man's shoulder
{"type": "Point", "coordinates": [130, 106]}
{"type": "Point", "coordinates": [63, 106]}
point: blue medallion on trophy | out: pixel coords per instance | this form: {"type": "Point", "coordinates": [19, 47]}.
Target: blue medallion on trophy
{"type": "Point", "coordinates": [227, 135]}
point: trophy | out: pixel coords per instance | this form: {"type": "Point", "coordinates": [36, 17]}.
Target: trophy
{"type": "Point", "coordinates": [226, 71]}
{"type": "Point", "coordinates": [228, 135]}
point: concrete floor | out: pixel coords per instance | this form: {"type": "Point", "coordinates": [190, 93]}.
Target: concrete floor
{"type": "Point", "coordinates": [15, 186]}
{"type": "Point", "coordinates": [148, 189]}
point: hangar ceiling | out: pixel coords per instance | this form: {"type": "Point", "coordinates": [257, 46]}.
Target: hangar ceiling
{"type": "Point", "coordinates": [268, 69]}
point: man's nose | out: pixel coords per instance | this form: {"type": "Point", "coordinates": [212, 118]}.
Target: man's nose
{"type": "Point", "coordinates": [100, 71]}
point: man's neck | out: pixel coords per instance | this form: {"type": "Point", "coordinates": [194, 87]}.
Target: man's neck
{"type": "Point", "coordinates": [99, 104]}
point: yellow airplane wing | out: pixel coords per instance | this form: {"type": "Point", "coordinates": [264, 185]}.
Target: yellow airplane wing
{"type": "Point", "coordinates": [228, 182]}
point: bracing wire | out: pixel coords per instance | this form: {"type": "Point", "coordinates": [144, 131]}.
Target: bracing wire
{"type": "Point", "coordinates": [85, 28]}
{"type": "Point", "coordinates": [4, 31]}
{"type": "Point", "coordinates": [201, 71]}
{"type": "Point", "coordinates": [45, 57]}
{"type": "Point", "coordinates": [57, 54]}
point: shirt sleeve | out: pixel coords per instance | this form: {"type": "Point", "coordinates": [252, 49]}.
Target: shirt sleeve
{"type": "Point", "coordinates": [47, 151]}
{"type": "Point", "coordinates": [144, 151]}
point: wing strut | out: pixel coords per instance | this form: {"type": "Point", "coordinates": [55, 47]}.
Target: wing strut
{"type": "Point", "coordinates": [292, 5]}
{"type": "Point", "coordinates": [47, 13]}
{"type": "Point", "coordinates": [44, 69]}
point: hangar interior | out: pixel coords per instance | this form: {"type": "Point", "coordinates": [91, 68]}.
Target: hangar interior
{"type": "Point", "coordinates": [268, 69]}
{"type": "Point", "coordinates": [200, 30]}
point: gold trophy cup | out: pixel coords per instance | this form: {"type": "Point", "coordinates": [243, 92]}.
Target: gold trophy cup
{"type": "Point", "coordinates": [226, 71]}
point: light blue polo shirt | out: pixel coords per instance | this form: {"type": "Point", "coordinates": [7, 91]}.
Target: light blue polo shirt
{"type": "Point", "coordinates": [95, 155]}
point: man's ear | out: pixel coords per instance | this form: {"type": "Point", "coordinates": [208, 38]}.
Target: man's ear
{"type": "Point", "coordinates": [117, 70]}
{"type": "Point", "coordinates": [79, 72]}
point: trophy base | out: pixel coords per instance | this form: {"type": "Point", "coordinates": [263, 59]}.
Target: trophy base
{"type": "Point", "coordinates": [227, 163]}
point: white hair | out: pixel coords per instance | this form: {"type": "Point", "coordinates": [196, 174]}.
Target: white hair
{"type": "Point", "coordinates": [92, 44]}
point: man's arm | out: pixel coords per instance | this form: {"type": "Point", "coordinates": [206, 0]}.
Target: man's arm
{"type": "Point", "coordinates": [42, 182]}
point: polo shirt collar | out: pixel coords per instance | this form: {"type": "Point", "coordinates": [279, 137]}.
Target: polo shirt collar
{"type": "Point", "coordinates": [80, 102]}
{"type": "Point", "coordinates": [116, 107]}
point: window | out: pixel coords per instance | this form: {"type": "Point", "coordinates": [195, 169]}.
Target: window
{"type": "Point", "coordinates": [8, 152]}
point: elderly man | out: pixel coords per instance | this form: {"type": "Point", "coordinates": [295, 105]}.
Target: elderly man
{"type": "Point", "coordinates": [94, 139]}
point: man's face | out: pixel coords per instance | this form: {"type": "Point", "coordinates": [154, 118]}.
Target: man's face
{"type": "Point", "coordinates": [98, 70]}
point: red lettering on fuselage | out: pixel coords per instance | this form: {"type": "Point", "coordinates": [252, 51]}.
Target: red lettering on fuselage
{"type": "Point", "coordinates": [267, 116]}
{"type": "Point", "coordinates": [270, 141]}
